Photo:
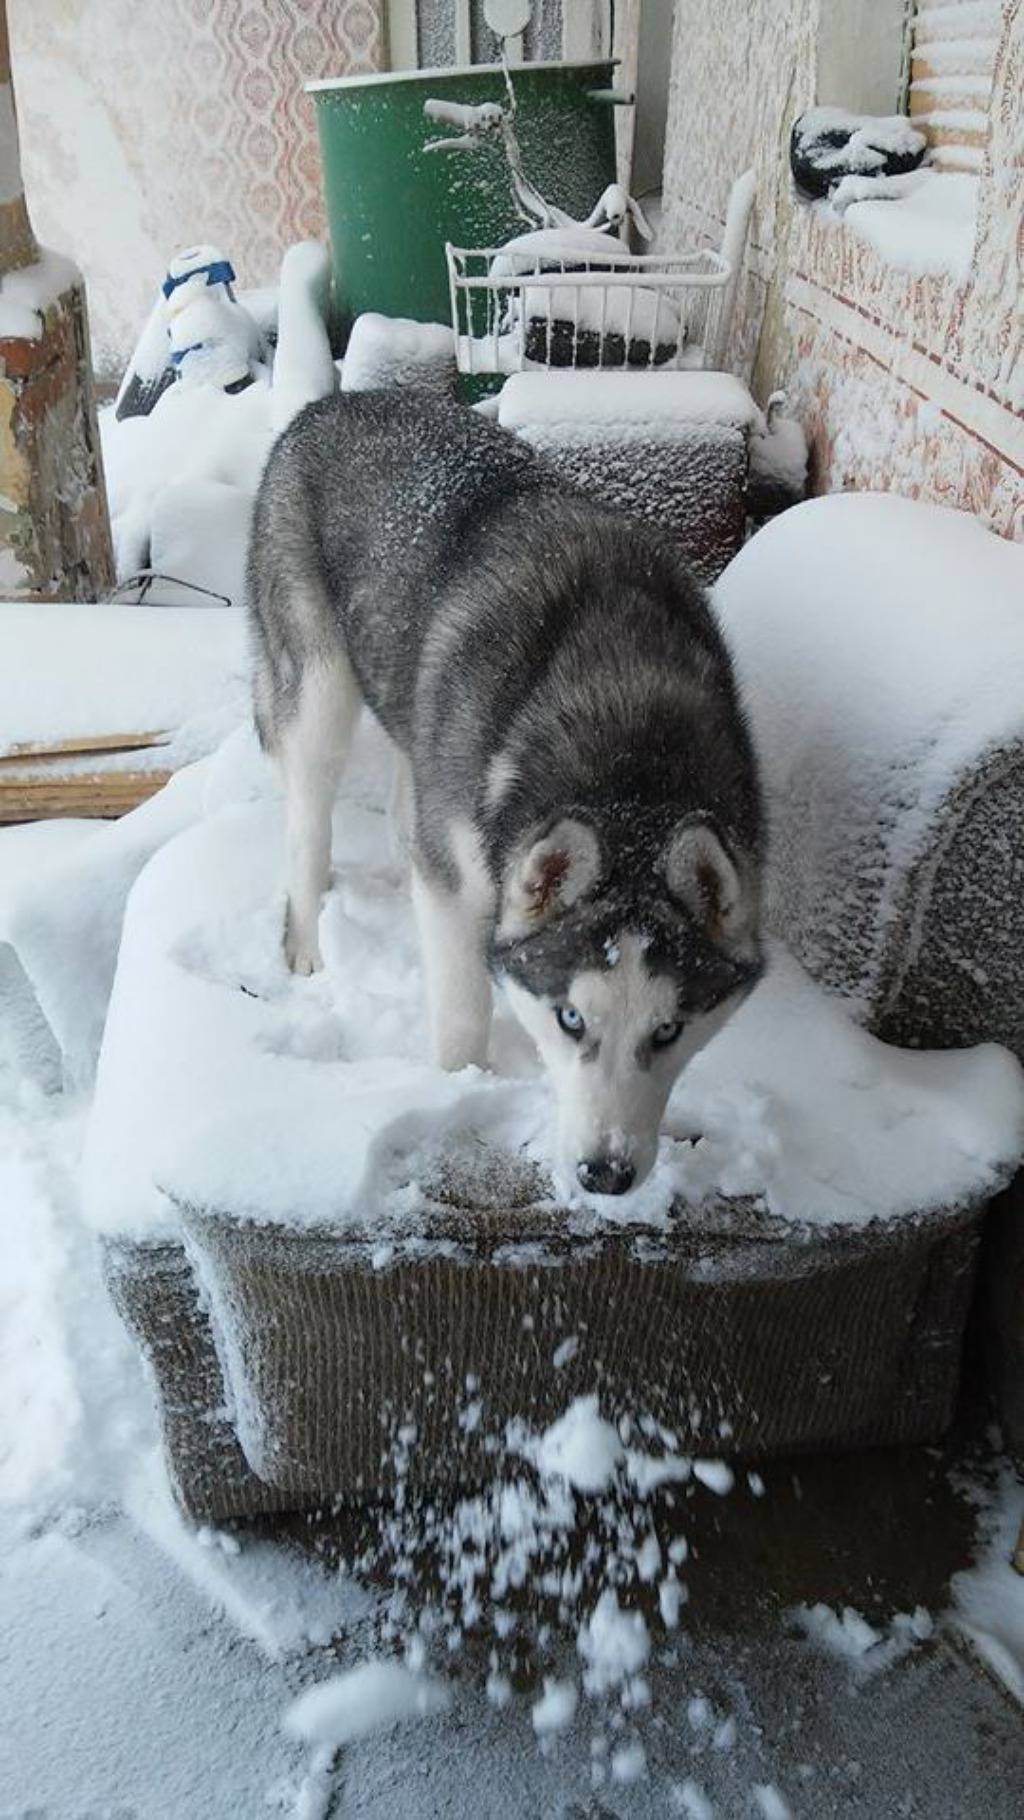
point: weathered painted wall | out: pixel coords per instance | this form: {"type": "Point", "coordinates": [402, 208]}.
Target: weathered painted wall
{"type": "Point", "coordinates": [147, 124]}
{"type": "Point", "coordinates": [905, 381]}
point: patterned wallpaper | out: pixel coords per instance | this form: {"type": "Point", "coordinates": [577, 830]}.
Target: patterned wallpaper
{"type": "Point", "coordinates": [908, 382]}
{"type": "Point", "coordinates": [147, 124]}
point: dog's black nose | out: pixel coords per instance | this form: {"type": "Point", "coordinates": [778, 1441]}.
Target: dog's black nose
{"type": "Point", "coordinates": [606, 1175]}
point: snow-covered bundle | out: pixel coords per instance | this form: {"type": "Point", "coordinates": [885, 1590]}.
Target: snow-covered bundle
{"type": "Point", "coordinates": [828, 143]}
{"type": "Point", "coordinates": [778, 460]}
{"type": "Point", "coordinates": [386, 351]}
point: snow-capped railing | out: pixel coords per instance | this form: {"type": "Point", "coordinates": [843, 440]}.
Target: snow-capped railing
{"type": "Point", "coordinates": [515, 308]}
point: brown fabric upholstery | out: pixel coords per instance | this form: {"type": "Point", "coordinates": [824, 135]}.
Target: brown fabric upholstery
{"type": "Point", "coordinates": [735, 1333]}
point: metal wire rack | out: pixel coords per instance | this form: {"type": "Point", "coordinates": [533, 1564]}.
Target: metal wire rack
{"type": "Point", "coordinates": [513, 309]}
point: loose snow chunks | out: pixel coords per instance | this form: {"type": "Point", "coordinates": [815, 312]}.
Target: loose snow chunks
{"type": "Point", "coordinates": [615, 1644]}
{"type": "Point", "coordinates": [373, 1697]}
{"type": "Point", "coordinates": [581, 1448]}
{"type": "Point", "coordinates": [556, 1708]}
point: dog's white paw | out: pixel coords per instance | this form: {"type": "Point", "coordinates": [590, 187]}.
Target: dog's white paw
{"type": "Point", "coordinates": [301, 950]}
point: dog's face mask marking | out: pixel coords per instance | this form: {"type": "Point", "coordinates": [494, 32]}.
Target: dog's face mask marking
{"type": "Point", "coordinates": [615, 1008]}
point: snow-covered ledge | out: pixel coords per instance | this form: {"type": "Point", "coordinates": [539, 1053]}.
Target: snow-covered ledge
{"type": "Point", "coordinates": [924, 222]}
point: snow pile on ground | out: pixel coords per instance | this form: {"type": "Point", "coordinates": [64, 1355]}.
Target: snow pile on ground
{"type": "Point", "coordinates": [779, 453]}
{"type": "Point", "coordinates": [863, 1646]}
{"type": "Point", "coordinates": [222, 1076]}
{"type": "Point", "coordinates": [72, 1401]}
{"type": "Point", "coordinates": [370, 1698]}
{"type": "Point", "coordinates": [559, 1545]}
{"type": "Point", "coordinates": [988, 1598]}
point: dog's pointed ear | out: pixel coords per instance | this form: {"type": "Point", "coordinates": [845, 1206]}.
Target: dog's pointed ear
{"type": "Point", "coordinates": [721, 896]}
{"type": "Point", "coordinates": [547, 874]}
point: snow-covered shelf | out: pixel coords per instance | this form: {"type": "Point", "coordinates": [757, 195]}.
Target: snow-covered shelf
{"type": "Point", "coordinates": [926, 226]}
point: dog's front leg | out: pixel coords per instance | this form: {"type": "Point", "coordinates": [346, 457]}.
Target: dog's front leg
{"type": "Point", "coordinates": [452, 929]}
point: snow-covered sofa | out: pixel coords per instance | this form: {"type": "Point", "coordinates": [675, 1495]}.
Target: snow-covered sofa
{"type": "Point", "coordinates": [342, 1266]}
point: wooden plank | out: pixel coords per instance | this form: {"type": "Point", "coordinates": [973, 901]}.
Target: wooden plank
{"type": "Point", "coordinates": [83, 746]}
{"type": "Point", "coordinates": [100, 794]}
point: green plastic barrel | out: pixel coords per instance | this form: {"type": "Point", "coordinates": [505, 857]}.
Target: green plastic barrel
{"type": "Point", "coordinates": [391, 206]}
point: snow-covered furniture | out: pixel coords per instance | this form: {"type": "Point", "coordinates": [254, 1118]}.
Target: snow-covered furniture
{"type": "Point", "coordinates": [672, 448]}
{"type": "Point", "coordinates": [385, 351]}
{"type": "Point", "coordinates": [349, 1247]}
{"type": "Point", "coordinates": [101, 703]}
{"type": "Point", "coordinates": [880, 643]}
{"type": "Point", "coordinates": [321, 1242]}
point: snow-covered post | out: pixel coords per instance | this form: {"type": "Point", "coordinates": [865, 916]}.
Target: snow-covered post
{"type": "Point", "coordinates": [54, 527]}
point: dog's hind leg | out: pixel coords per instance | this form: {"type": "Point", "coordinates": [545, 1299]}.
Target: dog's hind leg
{"type": "Point", "coordinates": [400, 808]}
{"type": "Point", "coordinates": [312, 747]}
{"type": "Point", "coordinates": [452, 927]}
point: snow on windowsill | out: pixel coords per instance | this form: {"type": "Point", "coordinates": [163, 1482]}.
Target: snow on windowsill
{"type": "Point", "coordinates": [927, 228]}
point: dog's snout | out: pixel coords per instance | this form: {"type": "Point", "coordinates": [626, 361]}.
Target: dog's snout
{"type": "Point", "coordinates": [606, 1174]}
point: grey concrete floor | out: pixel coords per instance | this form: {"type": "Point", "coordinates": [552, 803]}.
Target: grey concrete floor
{"type": "Point", "coordinates": [125, 1697]}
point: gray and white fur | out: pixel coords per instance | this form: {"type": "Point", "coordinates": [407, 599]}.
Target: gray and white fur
{"type": "Point", "coordinates": [585, 815]}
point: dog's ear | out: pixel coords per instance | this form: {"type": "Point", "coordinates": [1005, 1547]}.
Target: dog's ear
{"type": "Point", "coordinates": [722, 897]}
{"type": "Point", "coordinates": [546, 875]}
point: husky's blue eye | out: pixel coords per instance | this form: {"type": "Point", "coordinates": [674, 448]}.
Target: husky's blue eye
{"type": "Point", "coordinates": [666, 1034]}
{"type": "Point", "coordinates": [570, 1021]}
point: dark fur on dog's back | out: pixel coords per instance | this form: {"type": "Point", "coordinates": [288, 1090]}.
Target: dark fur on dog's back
{"type": "Point", "coordinates": [491, 613]}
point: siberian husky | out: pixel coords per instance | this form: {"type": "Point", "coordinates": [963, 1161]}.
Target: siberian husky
{"type": "Point", "coordinates": [585, 815]}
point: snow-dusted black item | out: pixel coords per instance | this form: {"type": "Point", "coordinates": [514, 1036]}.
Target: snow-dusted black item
{"type": "Point", "coordinates": [827, 144]}
{"type": "Point", "coordinates": [560, 343]}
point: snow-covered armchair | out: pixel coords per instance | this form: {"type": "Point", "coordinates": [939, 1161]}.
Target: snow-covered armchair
{"type": "Point", "coordinates": [880, 643]}
{"type": "Point", "coordinates": [880, 647]}
{"type": "Point", "coordinates": [799, 1279]}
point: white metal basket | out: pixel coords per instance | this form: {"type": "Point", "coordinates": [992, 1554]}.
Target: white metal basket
{"type": "Point", "coordinates": [515, 309]}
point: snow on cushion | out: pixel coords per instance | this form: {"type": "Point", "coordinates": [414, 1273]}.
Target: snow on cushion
{"type": "Point", "coordinates": [671, 448]}
{"type": "Point", "coordinates": [880, 647]}
{"type": "Point", "coordinates": [313, 1102]}
{"type": "Point", "coordinates": [635, 407]}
